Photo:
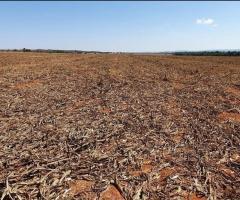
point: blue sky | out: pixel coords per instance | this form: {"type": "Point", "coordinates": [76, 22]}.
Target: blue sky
{"type": "Point", "coordinates": [120, 26]}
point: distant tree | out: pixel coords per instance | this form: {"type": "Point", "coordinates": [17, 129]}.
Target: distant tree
{"type": "Point", "coordinates": [26, 50]}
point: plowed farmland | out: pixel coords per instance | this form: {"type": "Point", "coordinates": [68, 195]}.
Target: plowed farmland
{"type": "Point", "coordinates": [119, 126]}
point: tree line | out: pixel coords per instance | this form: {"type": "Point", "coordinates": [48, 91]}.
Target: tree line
{"type": "Point", "coordinates": [50, 51]}
{"type": "Point", "coordinates": [207, 53]}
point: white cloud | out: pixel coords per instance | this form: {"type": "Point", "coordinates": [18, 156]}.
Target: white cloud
{"type": "Point", "coordinates": [206, 21]}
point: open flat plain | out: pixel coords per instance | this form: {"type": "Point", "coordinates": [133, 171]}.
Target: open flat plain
{"type": "Point", "coordinates": [119, 126]}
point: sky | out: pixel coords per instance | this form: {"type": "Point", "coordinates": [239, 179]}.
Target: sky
{"type": "Point", "coordinates": [120, 26]}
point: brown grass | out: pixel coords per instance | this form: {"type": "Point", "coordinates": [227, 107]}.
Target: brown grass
{"type": "Point", "coordinates": [119, 127]}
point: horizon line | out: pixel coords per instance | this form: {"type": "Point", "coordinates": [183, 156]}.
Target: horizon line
{"type": "Point", "coordinates": [99, 51]}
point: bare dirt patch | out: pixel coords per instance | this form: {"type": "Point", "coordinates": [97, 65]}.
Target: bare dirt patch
{"type": "Point", "coordinates": [233, 91]}
{"type": "Point", "coordinates": [27, 84]}
{"type": "Point", "coordinates": [83, 189]}
{"type": "Point", "coordinates": [228, 116]}
{"type": "Point", "coordinates": [111, 193]}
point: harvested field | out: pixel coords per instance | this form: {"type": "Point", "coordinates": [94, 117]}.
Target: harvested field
{"type": "Point", "coordinates": [118, 126]}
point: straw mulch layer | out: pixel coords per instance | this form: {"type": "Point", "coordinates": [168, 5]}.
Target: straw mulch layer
{"type": "Point", "coordinates": [119, 127]}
